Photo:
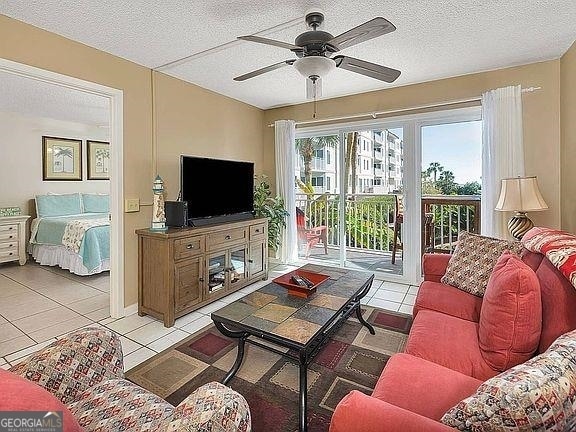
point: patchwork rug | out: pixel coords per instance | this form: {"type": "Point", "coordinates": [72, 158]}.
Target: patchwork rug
{"type": "Point", "coordinates": [351, 360]}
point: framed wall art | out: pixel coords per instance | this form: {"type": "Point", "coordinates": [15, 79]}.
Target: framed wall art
{"type": "Point", "coordinates": [98, 160]}
{"type": "Point", "coordinates": [61, 158]}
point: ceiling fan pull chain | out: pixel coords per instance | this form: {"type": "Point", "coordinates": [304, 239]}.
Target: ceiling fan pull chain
{"type": "Point", "coordinates": [314, 93]}
{"type": "Point", "coordinates": [314, 115]}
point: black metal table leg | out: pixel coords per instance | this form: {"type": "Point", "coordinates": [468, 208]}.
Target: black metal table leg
{"type": "Point", "coordinates": [241, 336]}
{"type": "Point", "coordinates": [302, 412]}
{"type": "Point", "coordinates": [363, 321]}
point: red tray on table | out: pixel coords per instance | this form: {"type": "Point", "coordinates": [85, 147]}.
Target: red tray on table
{"type": "Point", "coordinates": [298, 290]}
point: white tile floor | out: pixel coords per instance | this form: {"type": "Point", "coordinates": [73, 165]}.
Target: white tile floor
{"type": "Point", "coordinates": [31, 317]}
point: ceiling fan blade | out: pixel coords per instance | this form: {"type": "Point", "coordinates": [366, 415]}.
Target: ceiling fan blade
{"type": "Point", "coordinates": [313, 88]}
{"type": "Point", "coordinates": [362, 67]}
{"type": "Point", "coordinates": [267, 41]}
{"type": "Point", "coordinates": [264, 70]}
{"type": "Point", "coordinates": [369, 30]}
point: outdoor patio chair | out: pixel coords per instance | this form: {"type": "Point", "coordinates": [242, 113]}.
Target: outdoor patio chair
{"type": "Point", "coordinates": [310, 237]}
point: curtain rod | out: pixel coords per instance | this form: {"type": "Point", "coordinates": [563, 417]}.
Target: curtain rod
{"type": "Point", "coordinates": [374, 115]}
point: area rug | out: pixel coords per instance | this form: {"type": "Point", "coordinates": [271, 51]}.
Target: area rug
{"type": "Point", "coordinates": [351, 360]}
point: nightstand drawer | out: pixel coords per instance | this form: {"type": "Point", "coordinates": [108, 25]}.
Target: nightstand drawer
{"type": "Point", "coordinates": [188, 247]}
{"type": "Point", "coordinates": [6, 236]}
{"type": "Point", "coordinates": [226, 237]}
{"type": "Point", "coordinates": [8, 245]}
{"type": "Point", "coordinates": [9, 254]}
{"type": "Point", "coordinates": [4, 229]}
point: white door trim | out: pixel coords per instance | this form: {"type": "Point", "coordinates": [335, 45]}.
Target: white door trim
{"type": "Point", "coordinates": [115, 98]}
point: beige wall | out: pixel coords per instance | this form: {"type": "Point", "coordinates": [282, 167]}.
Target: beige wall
{"type": "Point", "coordinates": [568, 123]}
{"type": "Point", "coordinates": [541, 117]}
{"type": "Point", "coordinates": [197, 122]}
{"type": "Point", "coordinates": [27, 44]}
{"type": "Point", "coordinates": [190, 120]}
{"type": "Point", "coordinates": [20, 140]}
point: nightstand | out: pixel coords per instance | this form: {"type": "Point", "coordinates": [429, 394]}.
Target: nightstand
{"type": "Point", "coordinates": [13, 239]}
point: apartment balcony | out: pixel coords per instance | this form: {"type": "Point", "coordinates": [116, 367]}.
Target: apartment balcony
{"type": "Point", "coordinates": [378, 172]}
{"type": "Point", "coordinates": [378, 154]}
{"type": "Point", "coordinates": [369, 222]}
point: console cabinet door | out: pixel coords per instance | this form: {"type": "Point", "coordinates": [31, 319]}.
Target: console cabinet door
{"type": "Point", "coordinates": [237, 268]}
{"type": "Point", "coordinates": [189, 282]}
{"type": "Point", "coordinates": [257, 259]}
{"type": "Point", "coordinates": [217, 272]}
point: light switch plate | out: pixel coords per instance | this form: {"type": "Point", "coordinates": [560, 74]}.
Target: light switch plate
{"type": "Point", "coordinates": [132, 205]}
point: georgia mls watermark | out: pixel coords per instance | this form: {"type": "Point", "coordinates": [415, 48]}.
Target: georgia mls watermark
{"type": "Point", "coordinates": [31, 421]}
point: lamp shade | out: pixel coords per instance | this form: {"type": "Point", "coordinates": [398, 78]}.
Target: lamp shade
{"type": "Point", "coordinates": [520, 194]}
{"type": "Point", "coordinates": [314, 66]}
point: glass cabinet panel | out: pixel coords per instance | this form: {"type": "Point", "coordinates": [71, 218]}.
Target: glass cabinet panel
{"type": "Point", "coordinates": [237, 267]}
{"type": "Point", "coordinates": [216, 272]}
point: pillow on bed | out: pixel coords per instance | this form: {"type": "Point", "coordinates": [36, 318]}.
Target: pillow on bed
{"type": "Point", "coordinates": [58, 205]}
{"type": "Point", "coordinates": [95, 203]}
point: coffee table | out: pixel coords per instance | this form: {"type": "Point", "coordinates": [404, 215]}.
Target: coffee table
{"type": "Point", "coordinates": [300, 324]}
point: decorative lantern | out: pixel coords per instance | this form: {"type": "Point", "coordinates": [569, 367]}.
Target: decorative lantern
{"type": "Point", "coordinates": [158, 215]}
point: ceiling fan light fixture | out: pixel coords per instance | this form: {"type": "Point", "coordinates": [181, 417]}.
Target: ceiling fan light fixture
{"type": "Point", "coordinates": [314, 66]}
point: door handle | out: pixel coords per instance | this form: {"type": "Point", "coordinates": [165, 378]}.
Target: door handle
{"type": "Point", "coordinates": [189, 246]}
{"type": "Point", "coordinates": [228, 237]}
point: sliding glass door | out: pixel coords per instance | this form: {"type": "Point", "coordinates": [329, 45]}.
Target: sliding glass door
{"type": "Point", "coordinates": [350, 198]}
{"type": "Point", "coordinates": [376, 195]}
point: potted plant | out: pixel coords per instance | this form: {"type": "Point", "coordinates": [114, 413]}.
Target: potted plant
{"type": "Point", "coordinates": [269, 207]}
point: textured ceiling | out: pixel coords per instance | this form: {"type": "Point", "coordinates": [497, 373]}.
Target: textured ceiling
{"type": "Point", "coordinates": [39, 99]}
{"type": "Point", "coordinates": [434, 38]}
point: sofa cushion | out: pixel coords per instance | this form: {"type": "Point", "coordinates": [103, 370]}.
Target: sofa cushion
{"type": "Point", "coordinates": [117, 405]}
{"type": "Point", "coordinates": [558, 300]}
{"type": "Point", "coordinates": [405, 376]}
{"type": "Point", "coordinates": [539, 394]}
{"type": "Point", "coordinates": [474, 258]}
{"type": "Point", "coordinates": [511, 316]}
{"type": "Point", "coordinates": [19, 394]}
{"type": "Point", "coordinates": [448, 341]}
{"type": "Point", "coordinates": [447, 299]}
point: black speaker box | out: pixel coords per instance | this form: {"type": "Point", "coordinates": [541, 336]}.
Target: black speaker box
{"type": "Point", "coordinates": [176, 213]}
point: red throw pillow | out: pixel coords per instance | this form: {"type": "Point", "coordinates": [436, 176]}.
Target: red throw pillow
{"type": "Point", "coordinates": [19, 394]}
{"type": "Point", "coordinates": [511, 315]}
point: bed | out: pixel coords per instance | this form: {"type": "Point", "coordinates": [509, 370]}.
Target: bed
{"type": "Point", "coordinates": [72, 231]}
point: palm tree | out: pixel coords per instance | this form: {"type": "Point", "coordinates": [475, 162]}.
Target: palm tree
{"type": "Point", "coordinates": [435, 168]}
{"type": "Point", "coordinates": [307, 146]}
{"type": "Point", "coordinates": [351, 156]}
{"type": "Point", "coordinates": [63, 159]}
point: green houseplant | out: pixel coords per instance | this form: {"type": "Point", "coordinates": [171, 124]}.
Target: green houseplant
{"type": "Point", "coordinates": [265, 205]}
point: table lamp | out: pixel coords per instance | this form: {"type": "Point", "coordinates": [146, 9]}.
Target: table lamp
{"type": "Point", "coordinates": [520, 195]}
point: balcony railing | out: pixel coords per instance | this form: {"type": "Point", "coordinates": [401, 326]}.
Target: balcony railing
{"type": "Point", "coordinates": [452, 214]}
{"type": "Point", "coordinates": [369, 219]}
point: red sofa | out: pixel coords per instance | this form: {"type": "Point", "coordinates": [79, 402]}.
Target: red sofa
{"type": "Point", "coordinates": [442, 363]}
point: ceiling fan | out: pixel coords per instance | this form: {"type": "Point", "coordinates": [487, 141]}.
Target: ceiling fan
{"type": "Point", "coordinates": [314, 49]}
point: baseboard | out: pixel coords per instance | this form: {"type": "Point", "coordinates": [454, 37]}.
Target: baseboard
{"type": "Point", "coordinates": [131, 310]}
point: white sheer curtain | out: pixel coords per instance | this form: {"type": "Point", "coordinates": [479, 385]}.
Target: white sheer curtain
{"type": "Point", "coordinates": [502, 151]}
{"type": "Point", "coordinates": [285, 144]}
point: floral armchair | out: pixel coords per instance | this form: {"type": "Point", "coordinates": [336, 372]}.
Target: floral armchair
{"type": "Point", "coordinates": [84, 370]}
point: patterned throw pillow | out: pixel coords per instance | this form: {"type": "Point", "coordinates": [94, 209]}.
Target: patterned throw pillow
{"type": "Point", "coordinates": [474, 258]}
{"type": "Point", "coordinates": [539, 394]}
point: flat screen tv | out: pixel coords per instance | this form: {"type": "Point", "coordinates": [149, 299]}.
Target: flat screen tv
{"type": "Point", "coordinates": [216, 187]}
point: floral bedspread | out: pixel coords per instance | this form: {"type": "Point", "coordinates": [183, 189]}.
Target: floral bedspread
{"type": "Point", "coordinates": [75, 230]}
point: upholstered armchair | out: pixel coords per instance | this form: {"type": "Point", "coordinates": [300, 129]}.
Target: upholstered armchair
{"type": "Point", "coordinates": [84, 370]}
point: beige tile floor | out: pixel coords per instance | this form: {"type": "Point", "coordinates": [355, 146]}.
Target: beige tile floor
{"type": "Point", "coordinates": [39, 304]}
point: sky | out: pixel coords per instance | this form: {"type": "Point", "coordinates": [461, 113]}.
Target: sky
{"type": "Point", "coordinates": [457, 147]}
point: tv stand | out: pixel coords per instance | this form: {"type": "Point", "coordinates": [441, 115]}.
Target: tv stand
{"type": "Point", "coordinates": [183, 269]}
{"type": "Point", "coordinates": [216, 220]}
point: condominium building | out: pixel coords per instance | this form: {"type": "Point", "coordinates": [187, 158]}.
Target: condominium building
{"type": "Point", "coordinates": [379, 165]}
